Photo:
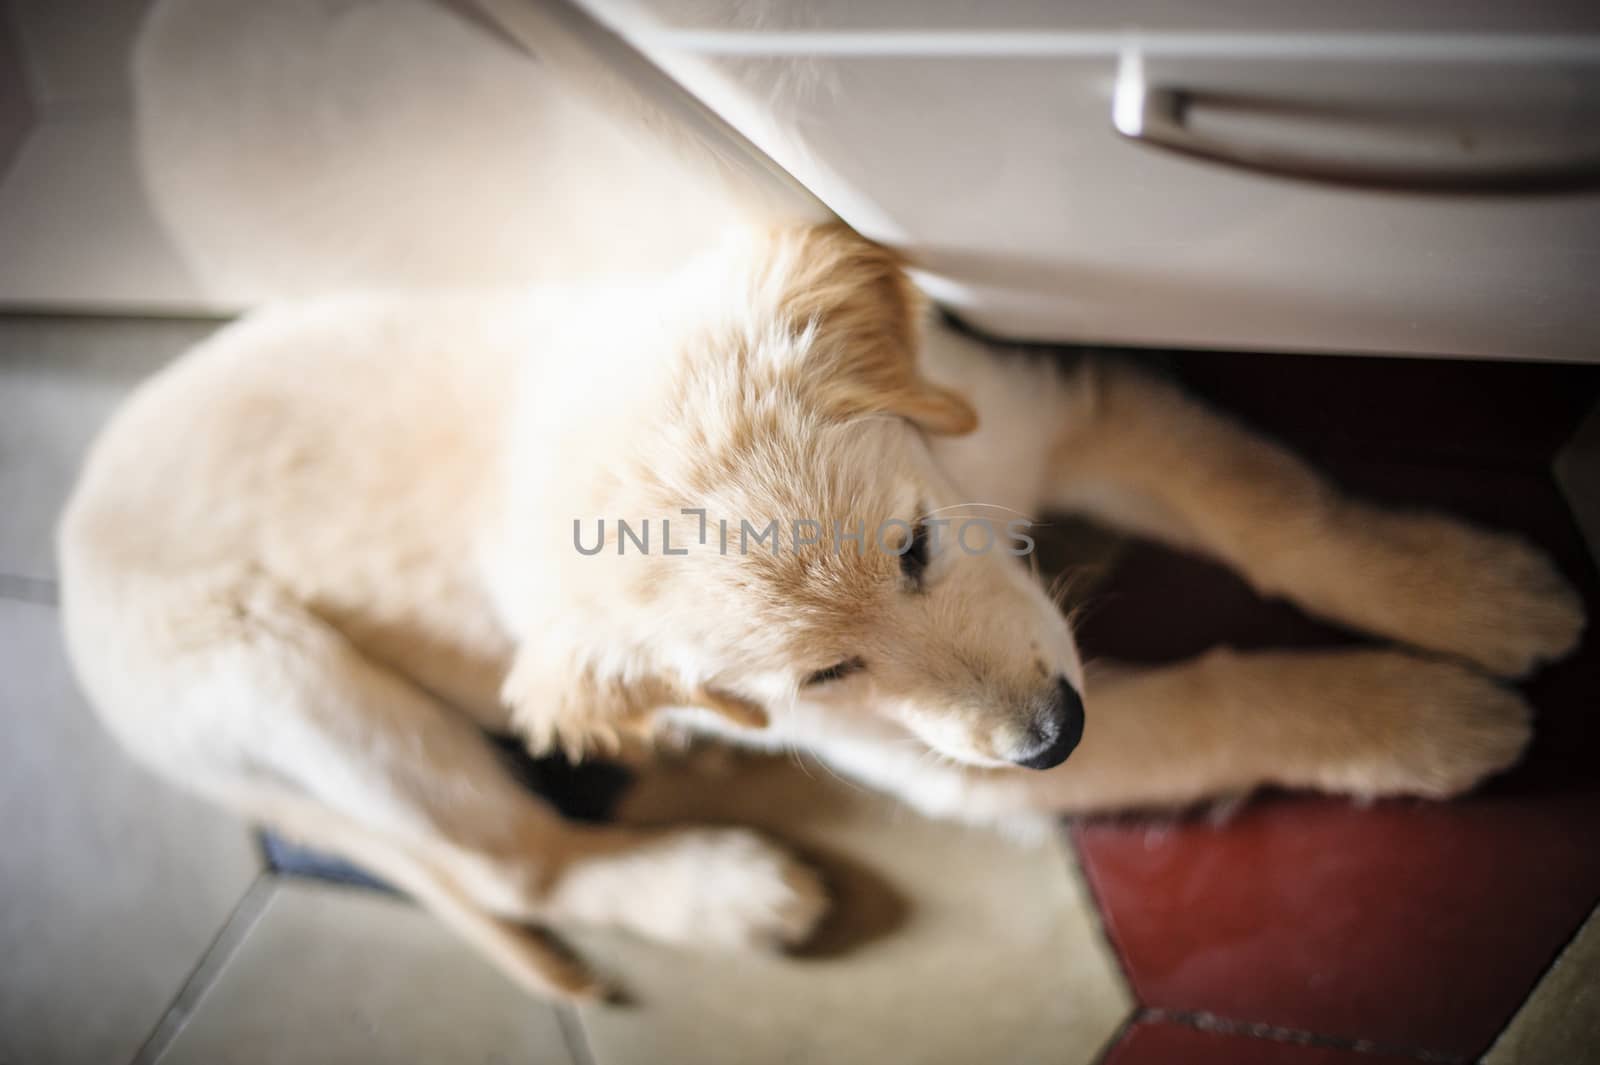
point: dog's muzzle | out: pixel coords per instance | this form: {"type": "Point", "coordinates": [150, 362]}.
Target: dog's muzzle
{"type": "Point", "coordinates": [1056, 730]}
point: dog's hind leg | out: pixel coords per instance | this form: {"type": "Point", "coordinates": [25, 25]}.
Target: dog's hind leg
{"type": "Point", "coordinates": [246, 696]}
{"type": "Point", "coordinates": [533, 961]}
{"type": "Point", "coordinates": [1138, 453]}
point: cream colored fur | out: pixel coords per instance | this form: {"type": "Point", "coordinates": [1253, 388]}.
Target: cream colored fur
{"type": "Point", "coordinates": [308, 562]}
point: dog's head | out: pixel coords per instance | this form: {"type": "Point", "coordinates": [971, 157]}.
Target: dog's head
{"type": "Point", "coordinates": [807, 550]}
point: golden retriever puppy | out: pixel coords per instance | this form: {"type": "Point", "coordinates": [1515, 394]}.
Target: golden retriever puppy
{"type": "Point", "coordinates": [309, 563]}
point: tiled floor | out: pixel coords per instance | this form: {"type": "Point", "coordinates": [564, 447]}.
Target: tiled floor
{"type": "Point", "coordinates": [1156, 1042]}
{"type": "Point", "coordinates": [111, 885]}
{"type": "Point", "coordinates": [139, 926]}
{"type": "Point", "coordinates": [950, 945]}
{"type": "Point", "coordinates": [331, 975]}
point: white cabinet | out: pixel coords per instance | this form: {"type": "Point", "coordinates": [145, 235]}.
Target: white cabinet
{"type": "Point", "coordinates": [979, 138]}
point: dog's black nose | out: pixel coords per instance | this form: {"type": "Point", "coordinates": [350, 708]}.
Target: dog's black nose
{"type": "Point", "coordinates": [1057, 729]}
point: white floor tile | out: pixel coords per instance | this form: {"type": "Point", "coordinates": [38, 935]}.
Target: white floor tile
{"type": "Point", "coordinates": [995, 955]}
{"type": "Point", "coordinates": [112, 884]}
{"type": "Point", "coordinates": [335, 975]}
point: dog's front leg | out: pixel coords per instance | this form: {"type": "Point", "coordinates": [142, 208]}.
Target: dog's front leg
{"type": "Point", "coordinates": [1150, 459]}
{"type": "Point", "coordinates": [1359, 722]}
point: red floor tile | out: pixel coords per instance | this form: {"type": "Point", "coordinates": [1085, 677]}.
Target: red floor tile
{"type": "Point", "coordinates": [1419, 926]}
{"type": "Point", "coordinates": [1173, 1044]}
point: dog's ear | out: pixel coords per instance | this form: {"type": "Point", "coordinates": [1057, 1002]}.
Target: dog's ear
{"type": "Point", "coordinates": [865, 316]}
{"type": "Point", "coordinates": [935, 409]}
{"type": "Point", "coordinates": [580, 711]}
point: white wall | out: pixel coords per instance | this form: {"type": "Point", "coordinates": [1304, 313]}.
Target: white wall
{"type": "Point", "coordinates": [208, 155]}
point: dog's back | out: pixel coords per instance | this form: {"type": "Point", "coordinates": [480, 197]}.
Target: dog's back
{"type": "Point", "coordinates": [335, 453]}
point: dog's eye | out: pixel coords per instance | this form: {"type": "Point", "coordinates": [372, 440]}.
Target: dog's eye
{"type": "Point", "coordinates": [834, 672]}
{"type": "Point", "coordinates": [914, 559]}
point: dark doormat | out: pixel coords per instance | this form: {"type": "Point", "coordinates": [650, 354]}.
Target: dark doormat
{"type": "Point", "coordinates": [586, 791]}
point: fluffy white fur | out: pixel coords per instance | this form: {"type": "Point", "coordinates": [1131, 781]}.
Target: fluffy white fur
{"type": "Point", "coordinates": [308, 562]}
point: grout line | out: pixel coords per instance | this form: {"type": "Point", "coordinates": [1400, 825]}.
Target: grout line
{"type": "Point", "coordinates": [1134, 1016]}
{"type": "Point", "coordinates": [575, 1034]}
{"type": "Point", "coordinates": [240, 921]}
{"type": "Point", "coordinates": [1210, 1022]}
{"type": "Point", "coordinates": [29, 589]}
{"type": "Point", "coordinates": [1078, 869]}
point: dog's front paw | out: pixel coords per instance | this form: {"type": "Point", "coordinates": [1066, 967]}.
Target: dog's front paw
{"type": "Point", "coordinates": [1432, 729]}
{"type": "Point", "coordinates": [1490, 598]}
{"type": "Point", "coordinates": [723, 888]}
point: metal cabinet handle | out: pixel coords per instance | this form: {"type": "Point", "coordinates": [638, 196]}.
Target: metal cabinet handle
{"type": "Point", "coordinates": [1157, 116]}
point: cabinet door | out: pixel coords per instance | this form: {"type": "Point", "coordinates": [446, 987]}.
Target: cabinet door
{"type": "Point", "coordinates": [991, 157]}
